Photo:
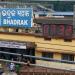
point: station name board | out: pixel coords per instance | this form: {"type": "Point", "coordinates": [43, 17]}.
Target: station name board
{"type": "Point", "coordinates": [63, 31]}
{"type": "Point", "coordinates": [16, 17]}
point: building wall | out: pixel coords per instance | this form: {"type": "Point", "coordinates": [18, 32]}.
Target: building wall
{"type": "Point", "coordinates": [54, 45]}
{"type": "Point", "coordinates": [38, 53]}
{"type": "Point", "coordinates": [52, 64]}
{"type": "Point", "coordinates": [57, 56]}
{"type": "Point", "coordinates": [57, 46]}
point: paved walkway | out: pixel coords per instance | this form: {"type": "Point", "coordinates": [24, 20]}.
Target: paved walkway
{"type": "Point", "coordinates": [9, 73]}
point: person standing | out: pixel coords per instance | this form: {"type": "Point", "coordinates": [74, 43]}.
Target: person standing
{"type": "Point", "coordinates": [17, 68]}
{"type": "Point", "coordinates": [12, 67]}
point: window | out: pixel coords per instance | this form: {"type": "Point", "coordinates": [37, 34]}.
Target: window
{"type": "Point", "coordinates": [68, 57]}
{"type": "Point", "coordinates": [67, 40]}
{"type": "Point", "coordinates": [47, 54]}
{"type": "Point", "coordinates": [17, 29]}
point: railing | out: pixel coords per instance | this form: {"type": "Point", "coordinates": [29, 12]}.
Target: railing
{"type": "Point", "coordinates": [39, 58]}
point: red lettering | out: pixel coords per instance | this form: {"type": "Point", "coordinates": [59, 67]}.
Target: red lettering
{"type": "Point", "coordinates": [60, 31]}
{"type": "Point", "coordinates": [68, 31]}
{"type": "Point", "coordinates": [46, 30]}
{"type": "Point", "coordinates": [53, 30]}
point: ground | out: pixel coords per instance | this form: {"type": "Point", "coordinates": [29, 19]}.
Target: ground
{"type": "Point", "coordinates": [9, 73]}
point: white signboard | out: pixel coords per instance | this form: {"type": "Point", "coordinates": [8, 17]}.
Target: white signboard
{"type": "Point", "coordinates": [9, 44]}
